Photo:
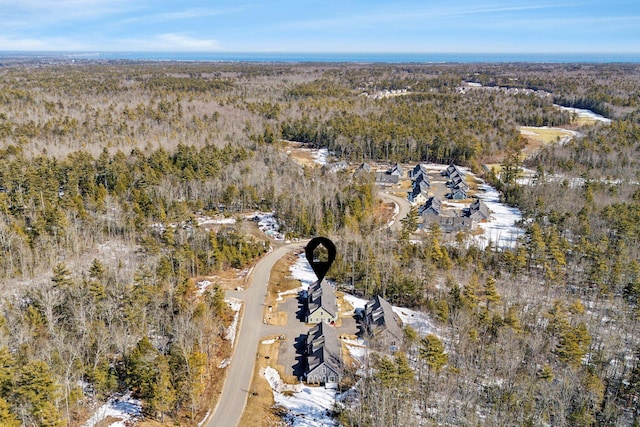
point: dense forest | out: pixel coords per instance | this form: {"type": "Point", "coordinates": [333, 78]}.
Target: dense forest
{"type": "Point", "coordinates": [104, 167]}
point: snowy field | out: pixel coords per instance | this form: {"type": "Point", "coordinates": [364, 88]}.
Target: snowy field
{"type": "Point", "coordinates": [588, 114]}
{"type": "Point", "coordinates": [306, 406]}
{"type": "Point", "coordinates": [501, 230]}
{"type": "Point", "coordinates": [123, 408]}
{"type": "Point", "coordinates": [302, 271]}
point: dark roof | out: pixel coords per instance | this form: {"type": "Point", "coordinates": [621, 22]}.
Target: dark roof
{"type": "Point", "coordinates": [379, 315]}
{"type": "Point", "coordinates": [451, 170]}
{"type": "Point", "coordinates": [419, 169]}
{"type": "Point", "coordinates": [433, 206]}
{"type": "Point", "coordinates": [421, 177]}
{"type": "Point", "coordinates": [322, 295]}
{"type": "Point", "coordinates": [396, 170]}
{"type": "Point", "coordinates": [479, 210]}
{"type": "Point", "coordinates": [323, 346]}
{"type": "Point", "coordinates": [386, 178]}
{"type": "Point", "coordinates": [458, 193]}
{"type": "Point", "coordinates": [421, 188]}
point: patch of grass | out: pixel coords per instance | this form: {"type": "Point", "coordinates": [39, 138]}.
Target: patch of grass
{"type": "Point", "coordinates": [279, 281]}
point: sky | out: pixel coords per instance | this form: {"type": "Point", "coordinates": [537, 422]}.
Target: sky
{"type": "Point", "coordinates": [407, 26]}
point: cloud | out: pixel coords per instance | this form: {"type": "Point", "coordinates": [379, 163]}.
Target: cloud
{"type": "Point", "coordinates": [168, 42]}
{"type": "Point", "coordinates": [179, 15]}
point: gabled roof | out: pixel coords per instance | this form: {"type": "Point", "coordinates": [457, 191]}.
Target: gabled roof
{"type": "Point", "coordinates": [396, 170]}
{"type": "Point", "coordinates": [364, 167]}
{"type": "Point", "coordinates": [451, 170]}
{"type": "Point", "coordinates": [458, 193]}
{"type": "Point", "coordinates": [322, 295]}
{"type": "Point", "coordinates": [433, 206]}
{"type": "Point", "coordinates": [379, 315]}
{"type": "Point", "coordinates": [323, 347]}
{"type": "Point", "coordinates": [421, 177]}
{"type": "Point", "coordinates": [421, 188]}
{"type": "Point", "coordinates": [479, 209]}
{"type": "Point", "coordinates": [419, 169]}
{"type": "Point", "coordinates": [386, 178]}
{"type": "Point", "coordinates": [337, 166]}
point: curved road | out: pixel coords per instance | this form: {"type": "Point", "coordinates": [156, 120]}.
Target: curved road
{"type": "Point", "coordinates": [236, 388]}
{"type": "Point", "coordinates": [235, 392]}
{"type": "Point", "coordinates": [403, 209]}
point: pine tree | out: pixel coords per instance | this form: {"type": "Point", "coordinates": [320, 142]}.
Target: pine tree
{"type": "Point", "coordinates": [432, 352]}
{"type": "Point", "coordinates": [7, 418]}
{"type": "Point", "coordinates": [490, 292]}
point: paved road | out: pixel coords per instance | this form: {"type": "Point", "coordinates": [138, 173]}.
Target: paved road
{"type": "Point", "coordinates": [236, 388]}
{"type": "Point", "coordinates": [403, 209]}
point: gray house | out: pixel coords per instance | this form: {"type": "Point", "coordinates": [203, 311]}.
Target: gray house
{"type": "Point", "coordinates": [386, 179]}
{"type": "Point", "coordinates": [396, 170]}
{"type": "Point", "coordinates": [450, 170]}
{"type": "Point", "coordinates": [458, 194]}
{"type": "Point", "coordinates": [324, 355]}
{"type": "Point", "coordinates": [321, 303]}
{"type": "Point", "coordinates": [432, 207]}
{"type": "Point", "coordinates": [382, 324]}
{"type": "Point", "coordinates": [421, 177]}
{"type": "Point", "coordinates": [419, 169]}
{"type": "Point", "coordinates": [363, 170]}
{"type": "Point", "coordinates": [478, 211]}
{"type": "Point", "coordinates": [419, 193]}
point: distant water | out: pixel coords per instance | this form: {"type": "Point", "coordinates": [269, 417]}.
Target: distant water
{"type": "Point", "coordinates": [389, 58]}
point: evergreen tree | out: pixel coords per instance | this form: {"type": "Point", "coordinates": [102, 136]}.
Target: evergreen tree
{"type": "Point", "coordinates": [432, 352]}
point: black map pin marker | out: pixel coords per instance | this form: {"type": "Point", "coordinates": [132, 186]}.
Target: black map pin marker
{"type": "Point", "coordinates": [320, 265]}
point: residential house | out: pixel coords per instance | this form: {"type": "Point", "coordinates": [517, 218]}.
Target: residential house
{"type": "Point", "coordinates": [458, 181]}
{"type": "Point", "coordinates": [421, 178]}
{"type": "Point", "coordinates": [432, 207]}
{"type": "Point", "coordinates": [382, 325]}
{"type": "Point", "coordinates": [386, 179]}
{"type": "Point", "coordinates": [455, 223]}
{"type": "Point", "coordinates": [321, 303]}
{"type": "Point", "coordinates": [396, 170]}
{"type": "Point", "coordinates": [363, 170]}
{"type": "Point", "coordinates": [335, 167]}
{"type": "Point", "coordinates": [451, 170]}
{"type": "Point", "coordinates": [458, 194]}
{"type": "Point", "coordinates": [478, 211]}
{"type": "Point", "coordinates": [419, 169]}
{"type": "Point", "coordinates": [419, 193]}
{"type": "Point", "coordinates": [324, 355]}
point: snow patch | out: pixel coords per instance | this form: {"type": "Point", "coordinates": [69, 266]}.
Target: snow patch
{"type": "Point", "coordinates": [580, 112]}
{"type": "Point", "coordinates": [420, 322]}
{"type": "Point", "coordinates": [235, 305]}
{"type": "Point", "coordinates": [307, 406]}
{"type": "Point", "coordinates": [124, 407]}
{"type": "Point", "coordinates": [268, 224]}
{"type": "Point", "coordinates": [320, 156]}
{"type": "Point", "coordinates": [302, 271]}
{"type": "Point", "coordinates": [501, 230]}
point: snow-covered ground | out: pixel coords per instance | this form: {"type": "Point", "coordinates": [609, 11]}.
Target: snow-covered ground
{"type": "Point", "coordinates": [501, 230]}
{"type": "Point", "coordinates": [124, 408]}
{"type": "Point", "coordinates": [306, 406]}
{"type": "Point", "coordinates": [418, 321]}
{"type": "Point", "coordinates": [232, 329]}
{"type": "Point", "coordinates": [302, 271]}
{"type": "Point", "coordinates": [585, 113]}
{"type": "Point", "coordinates": [320, 156]}
{"type": "Point", "coordinates": [268, 224]}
